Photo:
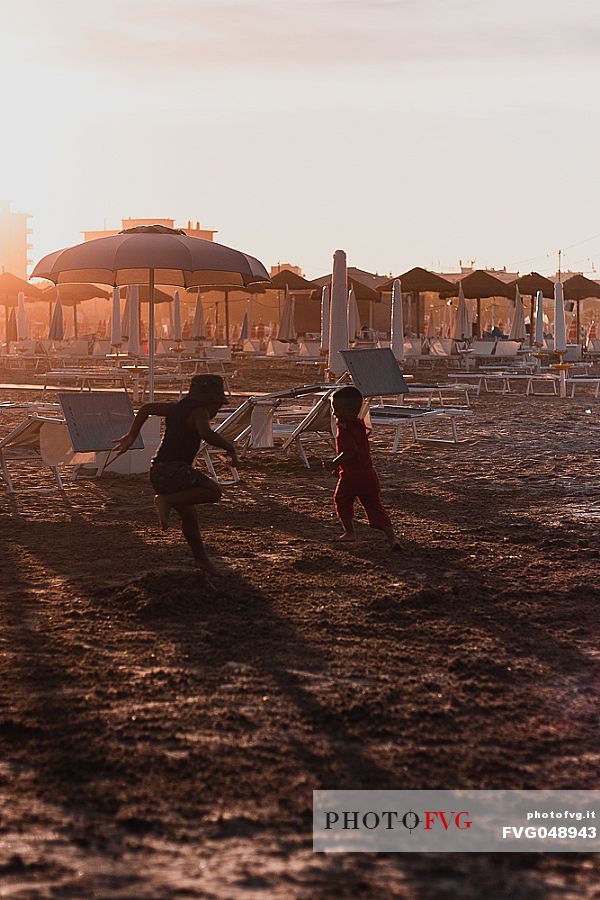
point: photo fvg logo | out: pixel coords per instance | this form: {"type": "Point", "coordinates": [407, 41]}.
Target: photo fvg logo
{"type": "Point", "coordinates": [427, 820]}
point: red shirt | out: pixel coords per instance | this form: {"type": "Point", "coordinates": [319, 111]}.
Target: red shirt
{"type": "Point", "coordinates": [353, 438]}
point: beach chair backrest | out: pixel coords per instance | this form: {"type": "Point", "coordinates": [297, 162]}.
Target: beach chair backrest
{"type": "Point", "coordinates": [412, 346]}
{"type": "Point", "coordinates": [507, 348]}
{"type": "Point", "coordinates": [231, 427]}
{"type": "Point", "coordinates": [441, 347]}
{"type": "Point", "coordinates": [573, 353]}
{"type": "Point", "coordinates": [483, 348]}
{"type": "Point", "coordinates": [317, 420]}
{"type": "Point", "coordinates": [594, 345]}
{"type": "Point", "coordinates": [375, 372]}
{"type": "Point", "coordinates": [277, 348]}
{"type": "Point", "coordinates": [309, 348]}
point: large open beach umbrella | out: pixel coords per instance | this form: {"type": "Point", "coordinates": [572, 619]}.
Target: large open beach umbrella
{"type": "Point", "coordinates": [397, 323]}
{"type": "Point", "coordinates": [294, 283]}
{"type": "Point", "coordinates": [324, 319]}
{"type": "Point", "coordinates": [152, 254]}
{"type": "Point", "coordinates": [353, 316]}
{"type": "Point", "coordinates": [480, 285]}
{"type": "Point", "coordinates": [418, 281]}
{"type": "Point", "coordinates": [517, 326]}
{"type": "Point", "coordinates": [338, 329]}
{"type": "Point", "coordinates": [579, 288]}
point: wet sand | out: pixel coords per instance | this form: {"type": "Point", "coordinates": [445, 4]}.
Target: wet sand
{"type": "Point", "coordinates": [161, 734]}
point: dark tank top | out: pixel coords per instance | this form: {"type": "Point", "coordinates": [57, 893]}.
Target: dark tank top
{"type": "Point", "coordinates": [180, 443]}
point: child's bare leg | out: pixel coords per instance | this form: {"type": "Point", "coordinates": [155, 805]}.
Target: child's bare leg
{"type": "Point", "coordinates": [163, 508]}
{"type": "Point", "coordinates": [208, 492]}
{"type": "Point", "coordinates": [349, 535]}
{"type": "Point", "coordinates": [191, 532]}
{"type": "Point", "coordinates": [392, 539]}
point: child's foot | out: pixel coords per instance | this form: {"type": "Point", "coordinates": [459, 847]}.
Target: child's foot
{"type": "Point", "coordinates": [348, 538]}
{"type": "Point", "coordinates": [204, 564]}
{"type": "Point", "coordinates": [396, 546]}
{"type": "Point", "coordinates": [163, 508]}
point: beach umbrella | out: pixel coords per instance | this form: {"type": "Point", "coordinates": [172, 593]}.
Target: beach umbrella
{"type": "Point", "coordinates": [539, 320]}
{"type": "Point", "coordinates": [480, 285]}
{"type": "Point", "coordinates": [133, 336]}
{"type": "Point", "coordinates": [56, 331]}
{"type": "Point", "coordinates": [285, 279]}
{"type": "Point", "coordinates": [199, 323]}
{"type": "Point", "coordinates": [353, 317]}
{"type": "Point", "coordinates": [115, 322]}
{"type": "Point", "coordinates": [10, 288]}
{"type": "Point", "coordinates": [74, 294]}
{"type": "Point", "coordinates": [397, 324]}
{"type": "Point", "coordinates": [560, 328]}
{"type": "Point", "coordinates": [517, 328]}
{"type": "Point", "coordinates": [463, 328]}
{"type": "Point", "coordinates": [324, 319]}
{"type": "Point", "coordinates": [176, 317]}
{"type": "Point", "coordinates": [419, 281]}
{"type": "Point", "coordinates": [151, 254]}
{"type": "Point", "coordinates": [11, 328]}
{"type": "Point", "coordinates": [245, 330]}
{"type": "Point", "coordinates": [338, 328]}
{"type": "Point", "coordinates": [287, 330]}
{"type": "Point", "coordinates": [21, 318]}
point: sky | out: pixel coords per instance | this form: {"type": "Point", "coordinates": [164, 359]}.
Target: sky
{"type": "Point", "coordinates": [406, 132]}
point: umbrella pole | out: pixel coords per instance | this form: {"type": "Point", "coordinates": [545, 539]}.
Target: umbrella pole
{"type": "Point", "coordinates": [578, 318]}
{"type": "Point", "coordinates": [75, 334]}
{"type": "Point", "coordinates": [151, 336]}
{"type": "Point", "coordinates": [479, 332]}
{"type": "Point", "coordinates": [227, 318]}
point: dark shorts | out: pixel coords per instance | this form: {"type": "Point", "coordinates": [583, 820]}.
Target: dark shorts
{"type": "Point", "coordinates": [172, 477]}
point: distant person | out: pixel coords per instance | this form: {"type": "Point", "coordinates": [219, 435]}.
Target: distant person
{"type": "Point", "coordinates": [357, 478]}
{"type": "Point", "coordinates": [177, 483]}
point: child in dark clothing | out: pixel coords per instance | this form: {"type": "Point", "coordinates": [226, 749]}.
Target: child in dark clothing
{"type": "Point", "coordinates": [177, 483]}
{"type": "Point", "coordinates": [357, 477]}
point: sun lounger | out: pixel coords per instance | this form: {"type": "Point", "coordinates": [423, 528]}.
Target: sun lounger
{"type": "Point", "coordinates": [43, 439]}
{"type": "Point", "coordinates": [507, 349]}
{"type": "Point", "coordinates": [83, 378]}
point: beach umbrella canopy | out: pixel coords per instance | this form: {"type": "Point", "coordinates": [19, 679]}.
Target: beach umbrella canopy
{"type": "Point", "coordinates": [324, 319]}
{"type": "Point", "coordinates": [532, 283]}
{"type": "Point", "coordinates": [199, 323]}
{"type": "Point", "coordinates": [151, 254]}
{"type": "Point", "coordinates": [72, 294]}
{"type": "Point", "coordinates": [133, 331]}
{"type": "Point", "coordinates": [292, 281]}
{"type": "Point", "coordinates": [353, 316]}
{"type": "Point", "coordinates": [338, 328]}
{"type": "Point", "coordinates": [287, 329]}
{"type": "Point", "coordinates": [397, 325]}
{"type": "Point", "coordinates": [463, 328]}
{"type": "Point", "coordinates": [578, 287]}
{"type": "Point", "coordinates": [115, 323]}
{"type": "Point", "coordinates": [539, 320]}
{"type": "Point", "coordinates": [176, 317]}
{"type": "Point", "coordinates": [57, 330]}
{"type": "Point", "coordinates": [21, 318]}
{"type": "Point", "coordinates": [144, 294]}
{"type": "Point", "coordinates": [517, 328]}
{"type": "Point", "coordinates": [560, 327]}
{"type": "Point", "coordinates": [11, 286]}
{"type": "Point", "coordinates": [480, 284]}
{"type": "Point", "coordinates": [11, 327]}
{"type": "Point", "coordinates": [419, 281]}
{"type": "Point", "coordinates": [364, 284]}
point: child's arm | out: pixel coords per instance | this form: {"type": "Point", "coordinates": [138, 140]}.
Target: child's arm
{"type": "Point", "coordinates": [201, 422]}
{"type": "Point", "coordinates": [145, 411]}
{"type": "Point", "coordinates": [345, 456]}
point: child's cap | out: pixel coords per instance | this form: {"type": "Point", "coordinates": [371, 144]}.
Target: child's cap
{"type": "Point", "coordinates": [208, 389]}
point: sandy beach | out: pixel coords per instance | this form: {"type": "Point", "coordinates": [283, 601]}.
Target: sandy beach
{"type": "Point", "coordinates": [161, 735]}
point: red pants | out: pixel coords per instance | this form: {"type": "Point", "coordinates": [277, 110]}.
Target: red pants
{"type": "Point", "coordinates": [363, 486]}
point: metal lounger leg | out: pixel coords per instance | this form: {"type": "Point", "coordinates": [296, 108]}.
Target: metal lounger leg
{"type": "Point", "coordinates": [9, 485]}
{"type": "Point", "coordinates": [454, 431]}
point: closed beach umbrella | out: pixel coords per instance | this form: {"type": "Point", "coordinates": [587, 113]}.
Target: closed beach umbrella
{"type": "Point", "coordinates": [11, 327]}
{"type": "Point", "coordinates": [353, 317]}
{"type": "Point", "coordinates": [199, 323]}
{"type": "Point", "coordinates": [338, 328]}
{"type": "Point", "coordinates": [462, 327]}
{"type": "Point", "coordinates": [133, 338]}
{"type": "Point", "coordinates": [517, 328]}
{"type": "Point", "coordinates": [115, 322]}
{"type": "Point", "coordinates": [151, 254]}
{"type": "Point", "coordinates": [56, 331]}
{"type": "Point", "coordinates": [21, 318]}
{"type": "Point", "coordinates": [287, 330]}
{"type": "Point", "coordinates": [177, 317]}
{"type": "Point", "coordinates": [324, 319]}
{"type": "Point", "coordinates": [560, 329]}
{"type": "Point", "coordinates": [397, 327]}
{"type": "Point", "coordinates": [539, 320]}
{"type": "Point", "coordinates": [245, 331]}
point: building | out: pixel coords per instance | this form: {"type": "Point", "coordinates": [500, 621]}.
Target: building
{"type": "Point", "coordinates": [192, 229]}
{"type": "Point", "coordinates": [280, 267]}
{"type": "Point", "coordinates": [14, 241]}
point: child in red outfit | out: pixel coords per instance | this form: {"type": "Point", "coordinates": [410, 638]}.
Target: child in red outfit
{"type": "Point", "coordinates": [357, 477]}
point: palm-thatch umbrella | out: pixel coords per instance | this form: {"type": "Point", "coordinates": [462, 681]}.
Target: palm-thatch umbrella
{"type": "Point", "coordinates": [530, 284]}
{"type": "Point", "coordinates": [353, 316]}
{"type": "Point", "coordinates": [72, 295]}
{"type": "Point", "coordinates": [152, 254]}
{"type": "Point", "coordinates": [517, 326]}
{"type": "Point", "coordinates": [579, 288]}
{"type": "Point", "coordinates": [397, 323]}
{"type": "Point", "coordinates": [338, 328]}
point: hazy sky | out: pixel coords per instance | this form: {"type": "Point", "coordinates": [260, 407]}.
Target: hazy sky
{"type": "Point", "coordinates": [407, 132]}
